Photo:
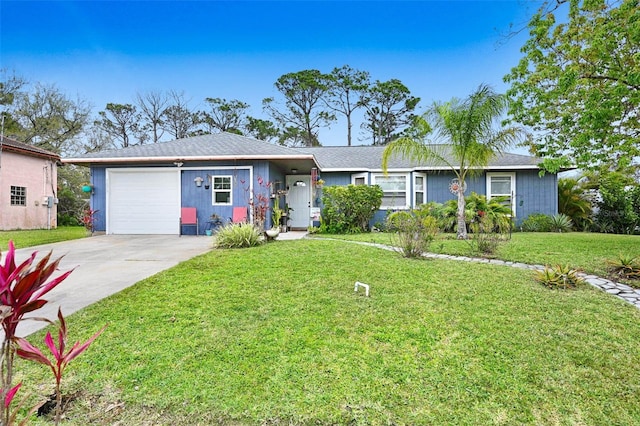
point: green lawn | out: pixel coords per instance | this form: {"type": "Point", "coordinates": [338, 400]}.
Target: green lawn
{"type": "Point", "coordinates": [30, 238]}
{"type": "Point", "coordinates": [585, 251]}
{"type": "Point", "coordinates": [276, 335]}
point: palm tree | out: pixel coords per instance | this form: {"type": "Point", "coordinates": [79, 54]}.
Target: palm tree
{"type": "Point", "coordinates": [573, 201]}
{"type": "Point", "coordinates": [466, 136]}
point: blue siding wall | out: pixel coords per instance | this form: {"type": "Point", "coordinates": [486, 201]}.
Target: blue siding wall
{"type": "Point", "coordinates": [99, 198]}
{"type": "Point", "coordinates": [535, 194]}
{"type": "Point", "coordinates": [202, 199]}
{"type": "Point", "coordinates": [332, 179]}
{"type": "Point", "coordinates": [438, 186]}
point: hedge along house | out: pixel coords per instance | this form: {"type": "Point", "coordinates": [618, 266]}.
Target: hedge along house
{"type": "Point", "coordinates": [141, 189]}
{"type": "Point", "coordinates": [28, 186]}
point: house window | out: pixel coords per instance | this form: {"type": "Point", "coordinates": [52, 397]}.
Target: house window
{"type": "Point", "coordinates": [395, 191]}
{"type": "Point", "coordinates": [419, 189]}
{"type": "Point", "coordinates": [502, 185]}
{"type": "Point", "coordinates": [18, 196]}
{"type": "Point", "coordinates": [360, 179]}
{"type": "Point", "coordinates": [222, 190]}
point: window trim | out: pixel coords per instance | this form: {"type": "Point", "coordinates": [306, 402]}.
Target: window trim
{"type": "Point", "coordinates": [511, 175]}
{"type": "Point", "coordinates": [18, 197]}
{"type": "Point", "coordinates": [424, 187]}
{"type": "Point", "coordinates": [360, 176]}
{"type": "Point", "coordinates": [407, 190]}
{"type": "Point", "coordinates": [214, 191]}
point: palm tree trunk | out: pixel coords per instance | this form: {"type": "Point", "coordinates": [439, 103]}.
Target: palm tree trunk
{"type": "Point", "coordinates": [462, 223]}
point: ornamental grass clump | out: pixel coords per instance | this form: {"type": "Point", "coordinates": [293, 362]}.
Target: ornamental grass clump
{"type": "Point", "coordinates": [559, 277]}
{"type": "Point", "coordinates": [238, 235]}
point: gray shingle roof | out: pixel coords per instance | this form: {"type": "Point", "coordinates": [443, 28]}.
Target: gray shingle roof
{"type": "Point", "coordinates": [370, 158]}
{"type": "Point", "coordinates": [227, 145]}
{"type": "Point", "coordinates": [218, 145]}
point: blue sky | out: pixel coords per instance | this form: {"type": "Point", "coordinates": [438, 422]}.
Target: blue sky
{"type": "Point", "coordinates": [107, 51]}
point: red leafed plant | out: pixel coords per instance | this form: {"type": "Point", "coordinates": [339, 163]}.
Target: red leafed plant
{"type": "Point", "coordinates": [88, 219]}
{"type": "Point", "coordinates": [60, 359]}
{"type": "Point", "coordinates": [21, 290]}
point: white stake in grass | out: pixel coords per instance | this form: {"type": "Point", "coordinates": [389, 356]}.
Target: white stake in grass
{"type": "Point", "coordinates": [366, 288]}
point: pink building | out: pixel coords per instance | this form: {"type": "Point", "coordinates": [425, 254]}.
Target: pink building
{"type": "Point", "coordinates": [28, 186]}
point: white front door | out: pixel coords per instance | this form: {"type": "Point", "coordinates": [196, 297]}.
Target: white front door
{"type": "Point", "coordinates": [299, 199]}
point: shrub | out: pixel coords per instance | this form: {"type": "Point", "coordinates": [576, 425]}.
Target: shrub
{"type": "Point", "coordinates": [619, 207]}
{"type": "Point", "coordinates": [348, 209]}
{"type": "Point", "coordinates": [536, 222]}
{"type": "Point", "coordinates": [561, 223]}
{"type": "Point", "coordinates": [496, 208]}
{"type": "Point", "coordinates": [412, 233]}
{"type": "Point", "coordinates": [558, 277]}
{"type": "Point", "coordinates": [625, 266]}
{"type": "Point", "coordinates": [238, 235]}
{"type": "Point", "coordinates": [486, 235]}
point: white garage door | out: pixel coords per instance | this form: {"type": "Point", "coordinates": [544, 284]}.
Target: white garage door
{"type": "Point", "coordinates": [143, 201]}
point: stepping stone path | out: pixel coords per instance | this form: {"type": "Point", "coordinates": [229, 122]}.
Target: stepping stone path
{"type": "Point", "coordinates": [622, 291]}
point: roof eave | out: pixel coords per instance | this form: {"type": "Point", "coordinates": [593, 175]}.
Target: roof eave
{"type": "Point", "coordinates": [423, 168]}
{"type": "Point", "coordinates": [17, 150]}
{"type": "Point", "coordinates": [185, 158]}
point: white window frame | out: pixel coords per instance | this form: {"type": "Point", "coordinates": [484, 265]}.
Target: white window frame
{"type": "Point", "coordinates": [356, 176]}
{"type": "Point", "coordinates": [511, 175]}
{"type": "Point", "coordinates": [407, 190]}
{"type": "Point", "coordinates": [214, 191]}
{"type": "Point", "coordinates": [424, 188]}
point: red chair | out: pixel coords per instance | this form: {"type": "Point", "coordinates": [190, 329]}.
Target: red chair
{"type": "Point", "coordinates": [239, 215]}
{"type": "Point", "coordinates": [188, 217]}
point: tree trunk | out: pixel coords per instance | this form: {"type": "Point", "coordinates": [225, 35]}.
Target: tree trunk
{"type": "Point", "coordinates": [462, 224]}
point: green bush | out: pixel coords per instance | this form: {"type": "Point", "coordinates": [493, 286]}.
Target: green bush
{"type": "Point", "coordinates": [619, 207]}
{"type": "Point", "coordinates": [412, 233]}
{"type": "Point", "coordinates": [238, 235]}
{"type": "Point", "coordinates": [348, 209]}
{"type": "Point", "coordinates": [68, 220]}
{"type": "Point", "coordinates": [558, 277]}
{"type": "Point", "coordinates": [536, 222]}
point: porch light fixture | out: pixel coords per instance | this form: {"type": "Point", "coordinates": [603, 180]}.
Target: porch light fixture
{"type": "Point", "coordinates": [198, 181]}
{"type": "Point", "coordinates": [300, 183]}
{"type": "Point", "coordinates": [294, 171]}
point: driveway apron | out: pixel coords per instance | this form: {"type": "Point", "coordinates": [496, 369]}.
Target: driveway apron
{"type": "Point", "coordinates": [104, 265]}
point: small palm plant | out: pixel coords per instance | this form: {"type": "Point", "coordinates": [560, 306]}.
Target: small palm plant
{"type": "Point", "coordinates": [559, 277]}
{"type": "Point", "coordinates": [625, 266]}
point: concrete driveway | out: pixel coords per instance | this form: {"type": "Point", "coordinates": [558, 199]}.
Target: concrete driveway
{"type": "Point", "coordinates": [106, 264]}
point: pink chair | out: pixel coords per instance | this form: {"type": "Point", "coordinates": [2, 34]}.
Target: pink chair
{"type": "Point", "coordinates": [239, 215]}
{"type": "Point", "coordinates": [188, 217]}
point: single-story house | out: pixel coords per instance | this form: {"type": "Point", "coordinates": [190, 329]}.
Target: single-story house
{"type": "Point", "coordinates": [28, 183]}
{"type": "Point", "coordinates": [141, 189]}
